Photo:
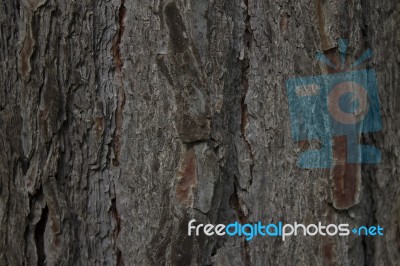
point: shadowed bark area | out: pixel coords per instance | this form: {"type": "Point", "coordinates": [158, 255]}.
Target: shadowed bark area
{"type": "Point", "coordinates": [121, 121]}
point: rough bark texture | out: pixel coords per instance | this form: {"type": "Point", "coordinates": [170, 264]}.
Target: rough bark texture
{"type": "Point", "coordinates": [122, 120]}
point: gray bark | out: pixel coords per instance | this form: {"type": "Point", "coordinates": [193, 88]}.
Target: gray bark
{"type": "Point", "coordinates": [120, 121]}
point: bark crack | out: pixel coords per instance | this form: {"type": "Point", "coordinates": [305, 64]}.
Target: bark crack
{"type": "Point", "coordinates": [116, 50]}
{"type": "Point", "coordinates": [118, 125]}
{"type": "Point", "coordinates": [117, 230]}
{"type": "Point", "coordinates": [235, 203]}
{"type": "Point", "coordinates": [245, 86]}
{"type": "Point", "coordinates": [39, 237]}
{"type": "Point", "coordinates": [242, 215]}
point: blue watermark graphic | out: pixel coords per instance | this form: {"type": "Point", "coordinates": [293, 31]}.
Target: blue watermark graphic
{"type": "Point", "coordinates": [340, 104]}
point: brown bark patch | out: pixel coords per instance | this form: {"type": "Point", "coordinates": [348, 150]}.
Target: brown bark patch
{"type": "Point", "coordinates": [284, 21]}
{"type": "Point", "coordinates": [346, 177]}
{"type": "Point", "coordinates": [187, 178]}
{"type": "Point", "coordinates": [26, 53]}
{"type": "Point", "coordinates": [177, 29]}
{"type": "Point", "coordinates": [328, 244]}
{"type": "Point", "coordinates": [99, 126]}
{"type": "Point", "coordinates": [116, 50]}
{"type": "Point", "coordinates": [321, 25]}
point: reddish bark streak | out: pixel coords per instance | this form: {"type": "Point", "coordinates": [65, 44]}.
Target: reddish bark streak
{"type": "Point", "coordinates": [187, 178]}
{"type": "Point", "coordinates": [345, 176]}
{"type": "Point", "coordinates": [116, 50]}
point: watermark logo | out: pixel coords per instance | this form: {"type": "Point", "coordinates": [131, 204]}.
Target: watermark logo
{"type": "Point", "coordinates": [342, 104]}
{"type": "Point", "coordinates": [281, 230]}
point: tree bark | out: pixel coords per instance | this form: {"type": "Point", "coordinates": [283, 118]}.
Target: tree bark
{"type": "Point", "coordinates": [120, 121]}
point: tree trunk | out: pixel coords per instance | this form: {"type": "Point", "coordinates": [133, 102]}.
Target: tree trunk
{"type": "Point", "coordinates": [120, 121]}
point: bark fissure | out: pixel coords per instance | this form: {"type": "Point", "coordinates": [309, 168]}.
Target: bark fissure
{"type": "Point", "coordinates": [248, 39]}
{"type": "Point", "coordinates": [39, 237]}
{"type": "Point", "coordinates": [116, 232]}
{"type": "Point", "coordinates": [116, 49]}
{"type": "Point", "coordinates": [118, 125]}
{"type": "Point", "coordinates": [243, 219]}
